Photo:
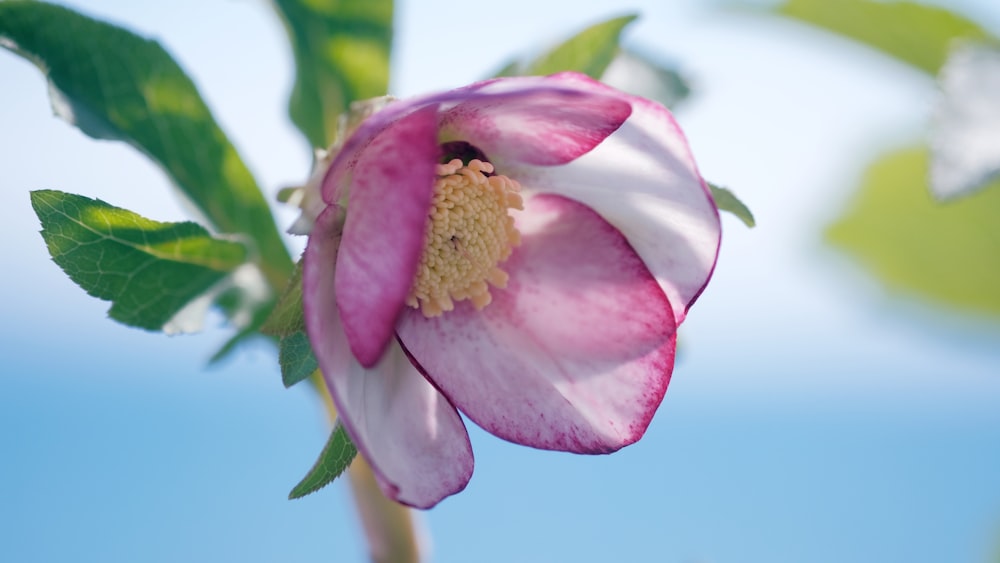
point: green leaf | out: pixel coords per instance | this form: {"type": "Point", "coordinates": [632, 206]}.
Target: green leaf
{"type": "Point", "coordinates": [334, 459]}
{"type": "Point", "coordinates": [287, 322]}
{"type": "Point", "coordinates": [113, 84]}
{"type": "Point", "coordinates": [725, 200]}
{"type": "Point", "coordinates": [947, 252]}
{"type": "Point", "coordinates": [589, 52]}
{"type": "Point", "coordinates": [286, 317]}
{"type": "Point", "coordinates": [916, 33]}
{"type": "Point", "coordinates": [341, 50]}
{"type": "Point", "coordinates": [147, 269]}
{"type": "Point", "coordinates": [296, 358]}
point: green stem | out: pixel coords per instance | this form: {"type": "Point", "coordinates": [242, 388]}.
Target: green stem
{"type": "Point", "coordinates": [388, 526]}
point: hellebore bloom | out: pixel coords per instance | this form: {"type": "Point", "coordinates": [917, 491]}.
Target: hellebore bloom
{"type": "Point", "coordinates": [521, 250]}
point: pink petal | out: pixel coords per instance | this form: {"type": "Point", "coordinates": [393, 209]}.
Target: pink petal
{"type": "Point", "coordinates": [544, 124]}
{"type": "Point", "coordinates": [644, 181]}
{"type": "Point", "coordinates": [387, 210]}
{"type": "Point", "coordinates": [539, 120]}
{"type": "Point", "coordinates": [575, 354]}
{"type": "Point", "coordinates": [411, 435]}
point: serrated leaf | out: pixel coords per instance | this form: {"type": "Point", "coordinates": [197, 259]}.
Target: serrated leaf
{"type": "Point", "coordinates": [333, 460]}
{"type": "Point", "coordinates": [113, 84]}
{"type": "Point", "coordinates": [341, 50]}
{"type": "Point", "coordinates": [286, 317]}
{"type": "Point", "coordinates": [589, 52]}
{"type": "Point", "coordinates": [726, 200]}
{"type": "Point", "coordinates": [147, 269]}
{"type": "Point", "coordinates": [915, 33]}
{"type": "Point", "coordinates": [641, 75]}
{"type": "Point", "coordinates": [949, 253]}
{"type": "Point", "coordinates": [296, 358]}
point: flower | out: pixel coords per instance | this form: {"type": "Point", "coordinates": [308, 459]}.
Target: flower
{"type": "Point", "coordinates": [520, 250]}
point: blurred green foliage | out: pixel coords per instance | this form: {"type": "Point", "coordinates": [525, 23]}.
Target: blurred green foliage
{"type": "Point", "coordinates": [918, 34]}
{"type": "Point", "coordinates": [113, 84]}
{"type": "Point", "coordinates": [594, 50]}
{"type": "Point", "coordinates": [341, 50]}
{"type": "Point", "coordinates": [949, 253]}
{"type": "Point", "coordinates": [725, 200]}
{"type": "Point", "coordinates": [589, 52]}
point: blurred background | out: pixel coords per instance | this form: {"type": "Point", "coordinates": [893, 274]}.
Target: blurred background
{"type": "Point", "coordinates": [815, 414]}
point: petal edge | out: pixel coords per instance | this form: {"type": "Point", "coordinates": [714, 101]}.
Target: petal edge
{"type": "Point", "coordinates": [574, 355]}
{"type": "Point", "coordinates": [383, 237]}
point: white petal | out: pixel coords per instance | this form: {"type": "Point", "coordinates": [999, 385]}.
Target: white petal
{"type": "Point", "coordinates": [965, 141]}
{"type": "Point", "coordinates": [644, 181]}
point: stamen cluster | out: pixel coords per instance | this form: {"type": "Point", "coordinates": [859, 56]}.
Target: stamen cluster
{"type": "Point", "coordinates": [470, 232]}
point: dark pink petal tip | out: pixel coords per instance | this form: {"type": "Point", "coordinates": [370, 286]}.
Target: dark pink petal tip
{"type": "Point", "coordinates": [643, 180]}
{"type": "Point", "coordinates": [411, 435]}
{"type": "Point", "coordinates": [413, 438]}
{"type": "Point", "coordinates": [574, 355]}
{"type": "Point", "coordinates": [388, 203]}
{"type": "Point", "coordinates": [543, 125]}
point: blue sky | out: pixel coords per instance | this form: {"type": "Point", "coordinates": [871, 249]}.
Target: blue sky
{"type": "Point", "coordinates": [812, 416]}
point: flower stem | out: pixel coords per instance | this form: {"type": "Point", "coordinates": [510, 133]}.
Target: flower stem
{"type": "Point", "coordinates": [388, 526]}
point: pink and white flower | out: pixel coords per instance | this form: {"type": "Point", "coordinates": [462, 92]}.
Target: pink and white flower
{"type": "Point", "coordinates": [521, 250]}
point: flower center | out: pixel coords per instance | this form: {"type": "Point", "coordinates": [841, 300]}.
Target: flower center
{"type": "Point", "coordinates": [469, 234]}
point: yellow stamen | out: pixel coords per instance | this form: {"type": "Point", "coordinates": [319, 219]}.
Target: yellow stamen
{"type": "Point", "coordinates": [469, 234]}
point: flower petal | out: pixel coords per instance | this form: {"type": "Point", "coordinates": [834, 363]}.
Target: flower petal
{"type": "Point", "coordinates": [546, 124]}
{"type": "Point", "coordinates": [387, 207]}
{"type": "Point", "coordinates": [575, 354]}
{"type": "Point", "coordinates": [411, 435]}
{"type": "Point", "coordinates": [965, 152]}
{"type": "Point", "coordinates": [644, 181]}
{"type": "Point", "coordinates": [547, 120]}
